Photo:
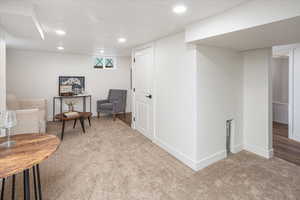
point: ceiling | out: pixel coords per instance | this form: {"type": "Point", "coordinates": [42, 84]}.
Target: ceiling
{"type": "Point", "coordinates": [264, 36]}
{"type": "Point", "coordinates": [92, 25]}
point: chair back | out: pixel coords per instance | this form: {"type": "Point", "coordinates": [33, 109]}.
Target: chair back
{"type": "Point", "coordinates": [118, 96]}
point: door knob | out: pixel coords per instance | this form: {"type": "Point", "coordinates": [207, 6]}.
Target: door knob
{"type": "Point", "coordinates": [149, 96]}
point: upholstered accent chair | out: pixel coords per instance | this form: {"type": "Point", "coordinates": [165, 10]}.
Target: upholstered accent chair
{"type": "Point", "coordinates": [114, 104]}
{"type": "Point", "coordinates": [31, 114]}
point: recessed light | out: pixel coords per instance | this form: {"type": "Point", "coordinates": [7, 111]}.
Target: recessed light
{"type": "Point", "coordinates": [60, 48]}
{"type": "Point", "coordinates": [179, 9]}
{"type": "Point", "coordinates": [60, 32]}
{"type": "Point", "coordinates": [122, 40]}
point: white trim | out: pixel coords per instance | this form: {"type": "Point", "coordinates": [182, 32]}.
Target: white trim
{"type": "Point", "coordinates": [132, 93]}
{"type": "Point", "coordinates": [237, 148]}
{"type": "Point", "coordinates": [205, 162]}
{"type": "Point", "coordinates": [177, 154]}
{"type": "Point", "coordinates": [259, 151]}
{"type": "Point", "coordinates": [280, 103]}
{"type": "Point", "coordinates": [280, 122]}
{"type": "Point", "coordinates": [291, 92]}
{"type": "Point", "coordinates": [295, 137]}
{"type": "Point", "coordinates": [194, 165]}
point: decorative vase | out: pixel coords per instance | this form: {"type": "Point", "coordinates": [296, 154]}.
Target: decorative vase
{"type": "Point", "coordinates": [71, 108]}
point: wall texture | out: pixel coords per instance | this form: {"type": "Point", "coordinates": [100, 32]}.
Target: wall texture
{"type": "Point", "coordinates": [257, 106]}
{"type": "Point", "coordinates": [33, 74]}
{"type": "Point", "coordinates": [280, 80]}
{"type": "Point", "coordinates": [219, 92]}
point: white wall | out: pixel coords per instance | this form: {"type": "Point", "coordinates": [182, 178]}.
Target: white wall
{"type": "Point", "coordinates": [220, 84]}
{"type": "Point", "coordinates": [247, 15]}
{"type": "Point", "coordinates": [32, 74]}
{"type": "Point", "coordinates": [280, 80]}
{"type": "Point", "coordinates": [175, 91]}
{"type": "Point", "coordinates": [2, 73]}
{"type": "Point", "coordinates": [257, 112]}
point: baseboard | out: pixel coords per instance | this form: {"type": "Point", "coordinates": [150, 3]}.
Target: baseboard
{"type": "Point", "coordinates": [237, 148]}
{"type": "Point", "coordinates": [259, 151]}
{"type": "Point", "coordinates": [295, 138]}
{"type": "Point", "coordinates": [178, 155]}
{"type": "Point", "coordinates": [205, 162]}
{"type": "Point", "coordinates": [281, 122]}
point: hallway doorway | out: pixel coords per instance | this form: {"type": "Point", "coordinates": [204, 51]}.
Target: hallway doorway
{"type": "Point", "coordinates": [284, 147]}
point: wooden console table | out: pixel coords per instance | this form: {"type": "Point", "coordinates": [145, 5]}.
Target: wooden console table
{"type": "Point", "coordinates": [61, 98]}
{"type": "Point", "coordinates": [28, 152]}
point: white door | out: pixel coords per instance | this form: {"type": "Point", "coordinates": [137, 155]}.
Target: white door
{"type": "Point", "coordinates": [142, 88]}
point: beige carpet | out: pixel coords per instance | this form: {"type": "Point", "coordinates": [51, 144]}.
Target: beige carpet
{"type": "Point", "coordinates": [112, 162]}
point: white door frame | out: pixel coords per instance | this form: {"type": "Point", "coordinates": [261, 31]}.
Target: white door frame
{"type": "Point", "coordinates": [291, 94]}
{"type": "Point", "coordinates": [133, 126]}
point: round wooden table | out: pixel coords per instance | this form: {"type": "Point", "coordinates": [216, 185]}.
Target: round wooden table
{"type": "Point", "coordinates": [28, 152]}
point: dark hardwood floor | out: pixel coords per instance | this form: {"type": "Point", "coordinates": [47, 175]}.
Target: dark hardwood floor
{"type": "Point", "coordinates": [284, 147]}
{"type": "Point", "coordinates": [125, 118]}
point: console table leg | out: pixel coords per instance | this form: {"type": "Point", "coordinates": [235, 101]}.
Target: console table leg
{"type": "Point", "coordinates": [26, 185]}
{"type": "Point", "coordinates": [84, 104]}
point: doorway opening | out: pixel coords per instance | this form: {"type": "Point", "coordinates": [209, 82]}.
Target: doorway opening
{"type": "Point", "coordinates": [280, 84]}
{"type": "Point", "coordinates": [284, 145]}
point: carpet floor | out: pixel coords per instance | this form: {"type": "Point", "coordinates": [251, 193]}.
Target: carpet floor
{"type": "Point", "coordinates": [113, 162]}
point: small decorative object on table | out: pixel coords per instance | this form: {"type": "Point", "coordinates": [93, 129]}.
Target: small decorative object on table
{"type": "Point", "coordinates": [8, 120]}
{"type": "Point", "coordinates": [71, 104]}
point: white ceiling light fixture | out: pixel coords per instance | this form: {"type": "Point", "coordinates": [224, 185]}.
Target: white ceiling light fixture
{"type": "Point", "coordinates": [179, 9]}
{"type": "Point", "coordinates": [60, 48]}
{"type": "Point", "coordinates": [60, 32]}
{"type": "Point", "coordinates": [122, 40]}
{"type": "Point", "coordinates": [102, 51]}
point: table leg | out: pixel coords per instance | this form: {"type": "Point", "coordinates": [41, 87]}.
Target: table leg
{"type": "Point", "coordinates": [74, 123]}
{"type": "Point", "coordinates": [82, 124]}
{"type": "Point", "coordinates": [13, 187]}
{"type": "Point", "coordinates": [63, 130]}
{"type": "Point", "coordinates": [39, 181]}
{"type": "Point", "coordinates": [53, 109]}
{"type": "Point", "coordinates": [84, 104]}
{"type": "Point", "coordinates": [90, 103]}
{"type": "Point", "coordinates": [3, 187]}
{"type": "Point", "coordinates": [61, 101]}
{"type": "Point", "coordinates": [26, 184]}
{"type": "Point", "coordinates": [89, 120]}
{"type": "Point", "coordinates": [34, 183]}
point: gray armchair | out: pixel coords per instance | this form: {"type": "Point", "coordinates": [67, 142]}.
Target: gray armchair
{"type": "Point", "coordinates": [114, 104]}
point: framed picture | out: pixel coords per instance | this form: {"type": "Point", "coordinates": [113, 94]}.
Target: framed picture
{"type": "Point", "coordinates": [71, 85]}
